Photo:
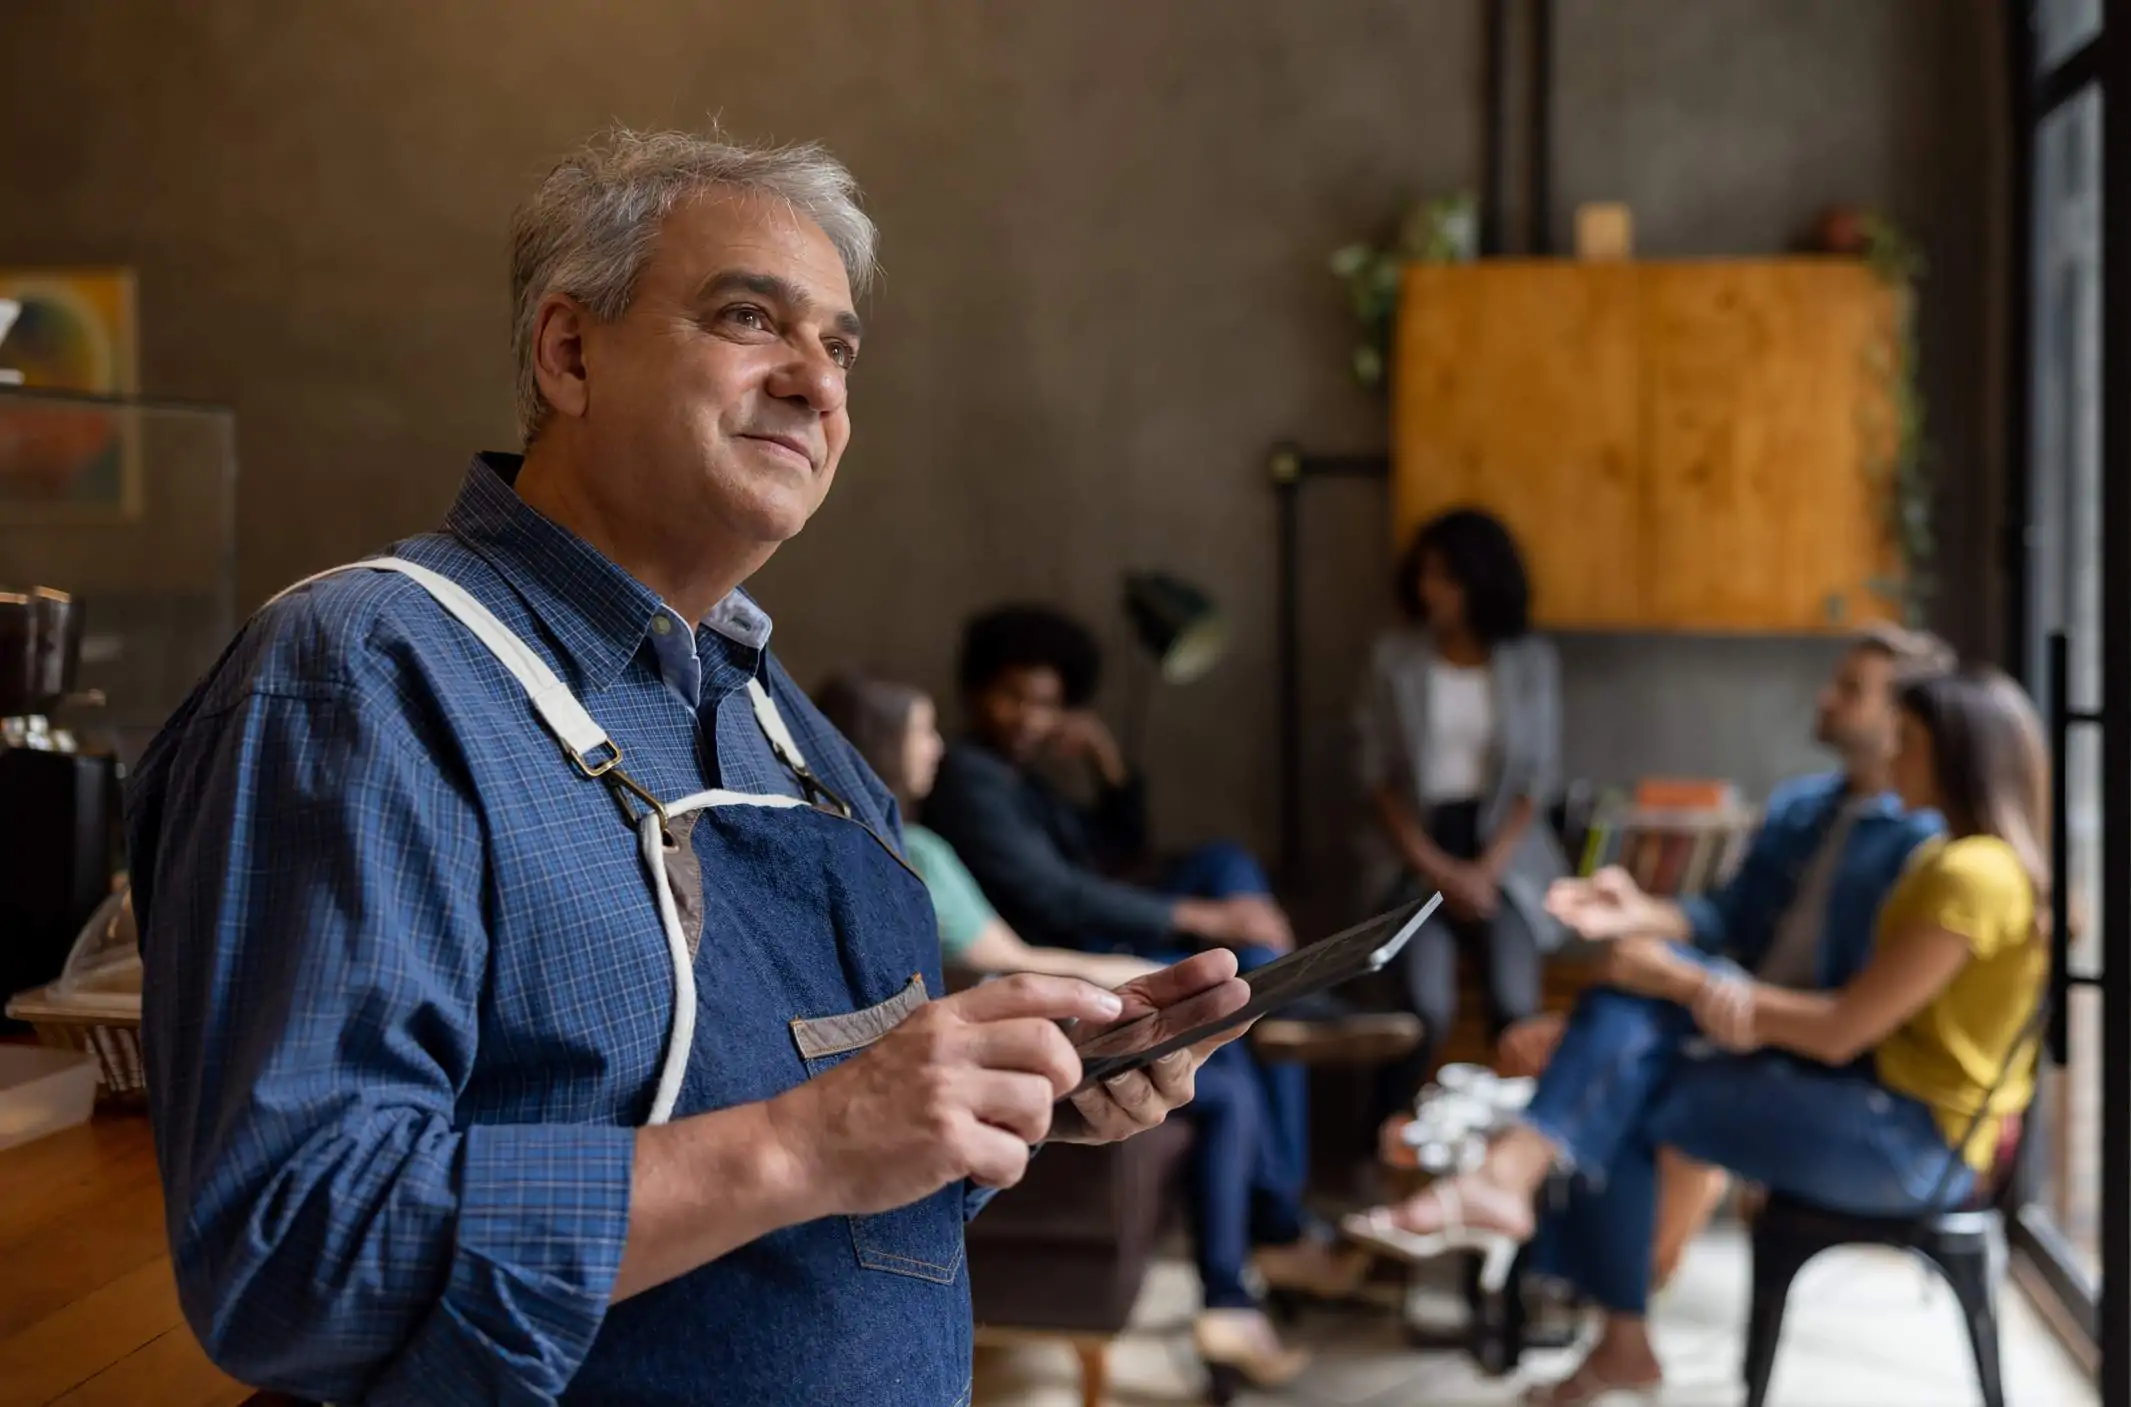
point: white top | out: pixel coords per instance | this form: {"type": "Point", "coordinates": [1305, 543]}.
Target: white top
{"type": "Point", "coordinates": [1461, 732]}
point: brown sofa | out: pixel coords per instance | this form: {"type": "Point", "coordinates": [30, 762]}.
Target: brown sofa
{"type": "Point", "coordinates": [1062, 1256]}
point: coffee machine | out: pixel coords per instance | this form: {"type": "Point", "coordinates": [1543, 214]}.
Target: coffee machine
{"type": "Point", "coordinates": [59, 804]}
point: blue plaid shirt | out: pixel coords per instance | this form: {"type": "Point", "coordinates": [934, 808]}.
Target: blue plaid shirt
{"type": "Point", "coordinates": [406, 986]}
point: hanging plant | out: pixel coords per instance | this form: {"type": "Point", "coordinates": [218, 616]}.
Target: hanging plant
{"type": "Point", "coordinates": [1439, 231]}
{"type": "Point", "coordinates": [1905, 469]}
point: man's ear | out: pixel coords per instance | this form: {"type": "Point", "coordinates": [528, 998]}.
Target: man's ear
{"type": "Point", "coordinates": [559, 354]}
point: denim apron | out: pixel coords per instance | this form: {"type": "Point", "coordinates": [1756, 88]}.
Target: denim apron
{"type": "Point", "coordinates": [812, 940]}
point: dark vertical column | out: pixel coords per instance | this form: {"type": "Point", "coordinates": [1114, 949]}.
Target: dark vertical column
{"type": "Point", "coordinates": [2018, 636]}
{"type": "Point", "coordinates": [1494, 157]}
{"type": "Point", "coordinates": [1539, 169]}
{"type": "Point", "coordinates": [1286, 468]}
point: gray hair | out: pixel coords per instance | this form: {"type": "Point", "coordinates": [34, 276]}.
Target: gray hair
{"type": "Point", "coordinates": [590, 228]}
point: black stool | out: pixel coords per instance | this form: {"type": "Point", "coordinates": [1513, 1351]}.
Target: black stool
{"type": "Point", "coordinates": [1788, 1233]}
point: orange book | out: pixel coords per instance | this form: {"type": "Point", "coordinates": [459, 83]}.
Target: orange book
{"type": "Point", "coordinates": [1684, 794]}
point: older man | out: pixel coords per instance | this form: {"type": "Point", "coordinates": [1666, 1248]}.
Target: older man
{"type": "Point", "coordinates": [539, 1007]}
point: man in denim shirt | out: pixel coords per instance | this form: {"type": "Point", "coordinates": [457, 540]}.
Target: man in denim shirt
{"type": "Point", "coordinates": [538, 1006]}
{"type": "Point", "coordinates": [1830, 846]}
{"type": "Point", "coordinates": [1799, 911]}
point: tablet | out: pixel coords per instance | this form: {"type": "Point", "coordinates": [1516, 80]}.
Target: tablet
{"type": "Point", "coordinates": [1325, 964]}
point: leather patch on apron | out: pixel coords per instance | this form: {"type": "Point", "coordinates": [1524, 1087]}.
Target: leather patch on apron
{"type": "Point", "coordinates": [833, 1035]}
{"type": "Point", "coordinates": [684, 877]}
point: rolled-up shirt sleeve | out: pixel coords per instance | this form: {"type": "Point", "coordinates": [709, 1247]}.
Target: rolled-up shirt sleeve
{"type": "Point", "coordinates": [310, 885]}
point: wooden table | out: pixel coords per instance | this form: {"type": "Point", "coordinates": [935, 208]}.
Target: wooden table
{"type": "Point", "coordinates": [88, 1309]}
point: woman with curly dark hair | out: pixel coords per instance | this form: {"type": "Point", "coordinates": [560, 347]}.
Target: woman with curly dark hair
{"type": "Point", "coordinates": [1459, 732]}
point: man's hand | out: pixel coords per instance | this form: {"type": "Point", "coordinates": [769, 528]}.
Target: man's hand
{"type": "Point", "coordinates": [1649, 967]}
{"type": "Point", "coordinates": [1245, 921]}
{"type": "Point", "coordinates": [962, 1089]}
{"type": "Point", "coordinates": [1606, 906]}
{"type": "Point", "coordinates": [1139, 1099]}
{"type": "Point", "coordinates": [1085, 737]}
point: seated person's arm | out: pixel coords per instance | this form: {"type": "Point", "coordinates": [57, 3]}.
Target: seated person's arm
{"type": "Point", "coordinates": [1118, 824]}
{"type": "Point", "coordinates": [1502, 845]}
{"type": "Point", "coordinates": [1913, 964]}
{"type": "Point", "coordinates": [1011, 856]}
{"type": "Point", "coordinates": [997, 948]}
{"type": "Point", "coordinates": [316, 949]}
{"type": "Point", "coordinates": [1961, 904]}
{"type": "Point", "coordinates": [1415, 846]}
{"type": "Point", "coordinates": [974, 938]}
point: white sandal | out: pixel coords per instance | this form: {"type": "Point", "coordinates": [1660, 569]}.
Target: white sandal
{"type": "Point", "coordinates": [1498, 1249]}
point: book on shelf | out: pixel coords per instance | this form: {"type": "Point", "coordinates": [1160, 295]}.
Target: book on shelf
{"type": "Point", "coordinates": [1674, 836]}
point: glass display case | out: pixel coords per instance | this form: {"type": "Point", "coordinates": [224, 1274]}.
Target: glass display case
{"type": "Point", "coordinates": [129, 506]}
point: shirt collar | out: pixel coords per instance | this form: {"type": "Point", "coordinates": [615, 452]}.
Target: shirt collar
{"type": "Point", "coordinates": [599, 614]}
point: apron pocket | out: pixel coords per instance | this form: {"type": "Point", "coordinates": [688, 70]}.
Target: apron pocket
{"type": "Point", "coordinates": [924, 1239]}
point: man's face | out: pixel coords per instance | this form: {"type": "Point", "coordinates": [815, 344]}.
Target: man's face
{"type": "Point", "coordinates": [1856, 715]}
{"type": "Point", "coordinates": [720, 394]}
{"type": "Point", "coordinates": [1020, 711]}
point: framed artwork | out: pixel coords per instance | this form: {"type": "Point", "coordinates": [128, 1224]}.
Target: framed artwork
{"type": "Point", "coordinates": [73, 331]}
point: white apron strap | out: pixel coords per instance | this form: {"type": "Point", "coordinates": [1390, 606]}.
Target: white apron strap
{"type": "Point", "coordinates": [582, 738]}
{"type": "Point", "coordinates": [787, 749]}
{"type": "Point", "coordinates": [773, 727]}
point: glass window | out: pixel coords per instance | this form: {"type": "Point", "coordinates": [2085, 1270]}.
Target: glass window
{"type": "Point", "coordinates": [2062, 28]}
{"type": "Point", "coordinates": [2066, 592]}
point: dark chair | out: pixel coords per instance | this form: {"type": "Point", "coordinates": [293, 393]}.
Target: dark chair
{"type": "Point", "coordinates": [1960, 1243]}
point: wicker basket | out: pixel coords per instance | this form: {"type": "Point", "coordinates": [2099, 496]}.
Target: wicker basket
{"type": "Point", "coordinates": [104, 1029]}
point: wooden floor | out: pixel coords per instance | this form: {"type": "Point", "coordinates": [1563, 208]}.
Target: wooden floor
{"type": "Point", "coordinates": [88, 1310]}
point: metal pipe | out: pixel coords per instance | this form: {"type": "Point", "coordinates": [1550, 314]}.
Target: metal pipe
{"type": "Point", "coordinates": [1539, 171]}
{"type": "Point", "coordinates": [1494, 156]}
{"type": "Point", "coordinates": [2058, 686]}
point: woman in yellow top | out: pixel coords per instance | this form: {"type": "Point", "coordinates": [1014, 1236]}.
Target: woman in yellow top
{"type": "Point", "coordinates": [1870, 1099]}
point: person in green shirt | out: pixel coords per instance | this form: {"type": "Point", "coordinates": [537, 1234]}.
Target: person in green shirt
{"type": "Point", "coordinates": [895, 728]}
{"type": "Point", "coordinates": [1243, 1215]}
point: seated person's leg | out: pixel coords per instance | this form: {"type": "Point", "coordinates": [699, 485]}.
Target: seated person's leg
{"type": "Point", "coordinates": [1597, 1237]}
{"type": "Point", "coordinates": [1227, 1114]}
{"type": "Point", "coordinates": [1832, 1137]}
{"type": "Point", "coordinates": [1229, 1120]}
{"type": "Point", "coordinates": [1687, 1196]}
{"type": "Point", "coordinates": [1426, 971]}
{"type": "Point", "coordinates": [1526, 1047]}
{"type": "Point", "coordinates": [1218, 870]}
{"type": "Point", "coordinates": [1286, 1087]}
{"type": "Point", "coordinates": [1615, 1053]}
{"type": "Point", "coordinates": [1513, 968]}
{"type": "Point", "coordinates": [1687, 1191]}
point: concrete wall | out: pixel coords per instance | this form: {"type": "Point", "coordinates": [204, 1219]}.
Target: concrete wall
{"type": "Point", "coordinates": [1106, 225]}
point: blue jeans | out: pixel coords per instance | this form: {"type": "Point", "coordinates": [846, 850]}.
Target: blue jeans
{"type": "Point", "coordinates": [1250, 1160]}
{"type": "Point", "coordinates": [1624, 1083]}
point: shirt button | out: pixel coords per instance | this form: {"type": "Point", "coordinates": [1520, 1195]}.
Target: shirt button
{"type": "Point", "coordinates": [660, 625]}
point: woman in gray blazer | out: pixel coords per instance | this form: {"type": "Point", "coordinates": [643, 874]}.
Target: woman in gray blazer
{"type": "Point", "coordinates": [1460, 756]}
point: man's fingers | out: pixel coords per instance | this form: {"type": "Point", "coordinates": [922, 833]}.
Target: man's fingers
{"type": "Point", "coordinates": [1028, 994]}
{"type": "Point", "coordinates": [1180, 980]}
{"type": "Point", "coordinates": [1132, 1092]}
{"type": "Point", "coordinates": [1030, 1045]}
{"type": "Point", "coordinates": [1010, 1100]}
{"type": "Point", "coordinates": [1175, 1076]}
{"type": "Point", "coordinates": [994, 1157]}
